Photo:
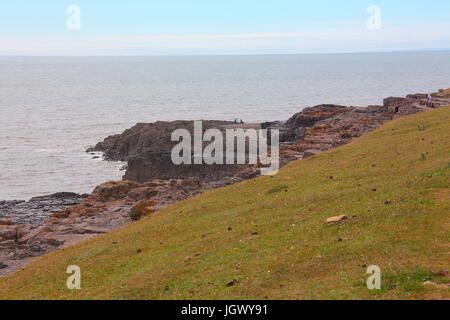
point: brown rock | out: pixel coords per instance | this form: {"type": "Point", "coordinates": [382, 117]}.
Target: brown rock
{"type": "Point", "coordinates": [310, 116]}
{"type": "Point", "coordinates": [8, 244]}
{"type": "Point", "coordinates": [143, 193]}
{"type": "Point", "coordinates": [231, 283]}
{"type": "Point", "coordinates": [8, 234]}
{"type": "Point", "coordinates": [61, 214]}
{"type": "Point", "coordinates": [141, 209]}
{"type": "Point", "coordinates": [114, 190]}
{"type": "Point", "coordinates": [6, 222]}
{"type": "Point", "coordinates": [191, 184]}
{"type": "Point", "coordinates": [248, 173]}
{"type": "Point", "coordinates": [337, 219]}
{"type": "Point", "coordinates": [53, 242]}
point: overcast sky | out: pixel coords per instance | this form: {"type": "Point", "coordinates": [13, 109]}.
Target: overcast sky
{"type": "Point", "coordinates": [148, 27]}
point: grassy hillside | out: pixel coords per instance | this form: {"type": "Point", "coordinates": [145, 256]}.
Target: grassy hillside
{"type": "Point", "coordinates": [267, 238]}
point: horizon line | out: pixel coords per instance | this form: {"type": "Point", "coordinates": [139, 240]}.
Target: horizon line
{"type": "Point", "coordinates": [226, 54]}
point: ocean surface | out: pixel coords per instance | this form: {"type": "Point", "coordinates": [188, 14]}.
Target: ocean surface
{"type": "Point", "coordinates": [53, 108]}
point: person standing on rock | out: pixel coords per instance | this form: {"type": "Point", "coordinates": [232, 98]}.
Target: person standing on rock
{"type": "Point", "coordinates": [430, 101]}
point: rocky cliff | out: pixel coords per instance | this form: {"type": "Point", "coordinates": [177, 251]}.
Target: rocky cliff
{"type": "Point", "coordinates": [30, 229]}
{"type": "Point", "coordinates": [147, 147]}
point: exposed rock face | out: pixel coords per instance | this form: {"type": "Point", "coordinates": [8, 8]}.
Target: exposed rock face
{"type": "Point", "coordinates": [38, 208]}
{"type": "Point", "coordinates": [443, 94]}
{"type": "Point", "coordinates": [113, 190]}
{"type": "Point", "coordinates": [324, 127]}
{"type": "Point", "coordinates": [309, 117]}
{"type": "Point", "coordinates": [336, 127]}
{"type": "Point", "coordinates": [147, 138]}
{"type": "Point", "coordinates": [405, 106]}
{"type": "Point", "coordinates": [414, 103]}
{"type": "Point", "coordinates": [148, 147]}
{"type": "Point", "coordinates": [159, 165]}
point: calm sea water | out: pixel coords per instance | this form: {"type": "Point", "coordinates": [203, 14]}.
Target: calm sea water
{"type": "Point", "coordinates": [52, 109]}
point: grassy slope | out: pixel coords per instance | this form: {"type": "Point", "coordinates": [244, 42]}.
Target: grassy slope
{"type": "Point", "coordinates": [295, 254]}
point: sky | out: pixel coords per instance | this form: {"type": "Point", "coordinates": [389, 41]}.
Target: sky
{"type": "Point", "coordinates": [191, 27]}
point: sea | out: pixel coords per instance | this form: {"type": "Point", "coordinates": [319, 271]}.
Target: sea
{"type": "Point", "coordinates": [53, 108]}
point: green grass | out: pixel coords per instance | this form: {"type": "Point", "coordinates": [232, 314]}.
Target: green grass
{"type": "Point", "coordinates": [269, 234]}
{"type": "Point", "coordinates": [280, 188]}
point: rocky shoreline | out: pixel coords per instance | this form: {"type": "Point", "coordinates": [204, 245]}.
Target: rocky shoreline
{"type": "Point", "coordinates": [43, 224]}
{"type": "Point", "coordinates": [37, 209]}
